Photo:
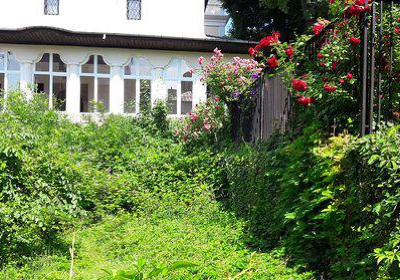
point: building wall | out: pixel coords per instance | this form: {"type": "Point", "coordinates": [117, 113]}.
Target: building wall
{"type": "Point", "coordinates": [117, 59]}
{"type": "Point", "coordinates": [215, 19]}
{"type": "Point", "coordinates": [177, 18]}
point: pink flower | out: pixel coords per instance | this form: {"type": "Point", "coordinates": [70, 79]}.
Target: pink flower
{"type": "Point", "coordinates": [193, 118]}
{"type": "Point", "coordinates": [206, 126]}
{"type": "Point", "coordinates": [342, 81]}
{"type": "Point", "coordinates": [201, 60]}
{"type": "Point", "coordinates": [216, 99]}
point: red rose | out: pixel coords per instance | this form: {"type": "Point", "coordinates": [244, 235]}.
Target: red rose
{"type": "Point", "coordinates": [397, 29]}
{"type": "Point", "coordinates": [306, 101]}
{"type": "Point", "coordinates": [252, 51]}
{"type": "Point", "coordinates": [299, 85]}
{"type": "Point", "coordinates": [329, 88]}
{"type": "Point", "coordinates": [319, 56]}
{"type": "Point", "coordinates": [354, 41]}
{"type": "Point", "coordinates": [356, 9]}
{"type": "Point", "coordinates": [335, 65]}
{"type": "Point", "coordinates": [342, 81]}
{"type": "Point", "coordinates": [318, 28]}
{"type": "Point", "coordinates": [349, 76]}
{"type": "Point", "coordinates": [272, 62]}
{"type": "Point", "coordinates": [185, 138]}
{"type": "Point", "coordinates": [289, 51]}
{"type": "Point", "coordinates": [216, 99]}
{"type": "Point", "coordinates": [324, 79]}
{"type": "Point", "coordinates": [269, 40]}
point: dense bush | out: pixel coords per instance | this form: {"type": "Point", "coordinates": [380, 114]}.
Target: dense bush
{"type": "Point", "coordinates": [332, 203]}
{"type": "Point", "coordinates": [53, 171]}
{"type": "Point", "coordinates": [39, 192]}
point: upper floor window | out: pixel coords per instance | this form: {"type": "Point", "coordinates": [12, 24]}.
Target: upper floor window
{"type": "Point", "coordinates": [134, 9]}
{"type": "Point", "coordinates": [51, 7]}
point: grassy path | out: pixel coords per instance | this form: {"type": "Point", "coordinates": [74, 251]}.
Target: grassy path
{"type": "Point", "coordinates": [208, 237]}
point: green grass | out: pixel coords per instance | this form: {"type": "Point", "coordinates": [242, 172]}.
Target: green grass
{"type": "Point", "coordinates": [207, 236]}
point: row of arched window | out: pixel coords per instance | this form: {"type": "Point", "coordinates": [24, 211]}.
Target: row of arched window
{"type": "Point", "coordinates": [50, 77]}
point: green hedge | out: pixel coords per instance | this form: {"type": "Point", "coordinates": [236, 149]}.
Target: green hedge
{"type": "Point", "coordinates": [332, 203]}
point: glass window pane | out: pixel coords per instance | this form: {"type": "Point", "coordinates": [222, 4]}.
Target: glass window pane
{"type": "Point", "coordinates": [59, 93]}
{"type": "Point", "coordinates": [133, 9]}
{"type": "Point", "coordinates": [58, 65]}
{"type": "Point", "coordinates": [145, 95]}
{"type": "Point", "coordinates": [186, 97]}
{"type": "Point", "coordinates": [102, 67]}
{"type": "Point", "coordinates": [43, 83]}
{"type": "Point", "coordinates": [2, 60]}
{"type": "Point", "coordinates": [130, 69]}
{"type": "Point", "coordinates": [13, 81]}
{"type": "Point", "coordinates": [104, 94]}
{"type": "Point", "coordinates": [43, 65]}
{"type": "Point", "coordinates": [88, 67]}
{"type": "Point", "coordinates": [144, 68]}
{"type": "Point", "coordinates": [172, 95]}
{"type": "Point", "coordinates": [87, 94]}
{"type": "Point", "coordinates": [172, 70]}
{"type": "Point", "coordinates": [1, 84]}
{"type": "Point", "coordinates": [51, 7]}
{"type": "Point", "coordinates": [129, 96]}
{"type": "Point", "coordinates": [13, 63]}
{"type": "Point", "coordinates": [185, 70]}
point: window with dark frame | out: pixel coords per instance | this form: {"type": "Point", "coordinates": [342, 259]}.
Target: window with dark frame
{"type": "Point", "coordinates": [134, 9]}
{"type": "Point", "coordinates": [51, 7]}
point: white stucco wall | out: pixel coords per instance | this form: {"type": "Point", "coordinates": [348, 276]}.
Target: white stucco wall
{"type": "Point", "coordinates": [176, 18]}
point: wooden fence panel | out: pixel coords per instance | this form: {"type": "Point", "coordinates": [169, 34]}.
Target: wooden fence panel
{"type": "Point", "coordinates": [271, 110]}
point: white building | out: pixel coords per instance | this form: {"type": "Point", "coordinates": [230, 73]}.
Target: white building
{"type": "Point", "coordinates": [112, 51]}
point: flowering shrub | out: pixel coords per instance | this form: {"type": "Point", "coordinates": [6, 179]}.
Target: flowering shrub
{"type": "Point", "coordinates": [325, 77]}
{"type": "Point", "coordinates": [204, 123]}
{"type": "Point", "coordinates": [230, 80]}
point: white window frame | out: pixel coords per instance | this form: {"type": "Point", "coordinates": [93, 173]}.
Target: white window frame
{"type": "Point", "coordinates": [96, 76]}
{"type": "Point", "coordinates": [179, 79]}
{"type": "Point", "coordinates": [137, 76]}
{"type": "Point", "coordinates": [52, 74]}
{"type": "Point", "coordinates": [7, 72]}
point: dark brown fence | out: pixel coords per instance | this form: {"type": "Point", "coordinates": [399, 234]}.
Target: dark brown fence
{"type": "Point", "coordinates": [271, 110]}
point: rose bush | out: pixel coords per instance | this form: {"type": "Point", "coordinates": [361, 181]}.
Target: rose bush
{"type": "Point", "coordinates": [230, 80]}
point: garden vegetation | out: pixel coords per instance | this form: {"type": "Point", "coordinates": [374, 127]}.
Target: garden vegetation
{"type": "Point", "coordinates": [152, 198]}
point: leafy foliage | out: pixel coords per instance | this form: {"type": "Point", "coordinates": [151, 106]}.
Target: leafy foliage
{"type": "Point", "coordinates": [254, 19]}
